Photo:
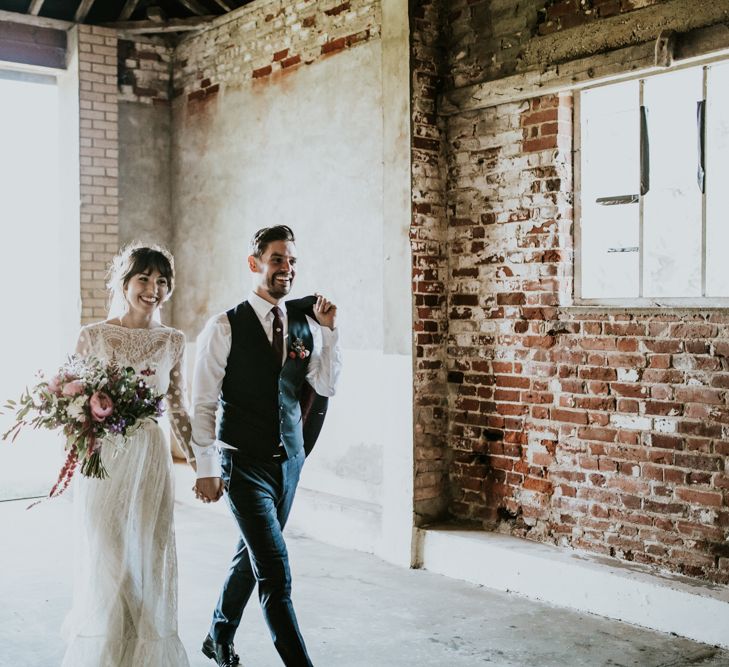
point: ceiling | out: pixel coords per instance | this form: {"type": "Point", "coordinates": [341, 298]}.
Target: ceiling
{"type": "Point", "coordinates": [143, 16]}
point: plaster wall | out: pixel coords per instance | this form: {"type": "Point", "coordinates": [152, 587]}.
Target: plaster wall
{"type": "Point", "coordinates": [305, 148]}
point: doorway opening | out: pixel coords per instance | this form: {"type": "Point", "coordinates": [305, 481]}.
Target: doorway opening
{"type": "Point", "coordinates": [39, 294]}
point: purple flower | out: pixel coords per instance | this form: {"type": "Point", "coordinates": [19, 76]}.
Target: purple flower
{"type": "Point", "coordinates": [118, 426]}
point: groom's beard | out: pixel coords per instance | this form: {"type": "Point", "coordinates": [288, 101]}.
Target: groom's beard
{"type": "Point", "coordinates": [276, 289]}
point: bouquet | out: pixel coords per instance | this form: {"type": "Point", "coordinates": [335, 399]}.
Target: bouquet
{"type": "Point", "coordinates": [94, 403]}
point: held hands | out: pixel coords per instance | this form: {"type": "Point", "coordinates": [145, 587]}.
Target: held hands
{"type": "Point", "coordinates": [208, 489]}
{"type": "Point", "coordinates": [326, 312]}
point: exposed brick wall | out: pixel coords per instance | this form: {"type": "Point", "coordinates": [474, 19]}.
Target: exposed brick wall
{"type": "Point", "coordinates": [99, 154]}
{"type": "Point", "coordinates": [428, 242]}
{"type": "Point", "coordinates": [601, 430]}
{"type": "Point", "coordinates": [267, 39]}
{"type": "Point", "coordinates": [145, 72]}
{"type": "Point", "coordinates": [509, 246]}
{"type": "Point", "coordinates": [486, 36]}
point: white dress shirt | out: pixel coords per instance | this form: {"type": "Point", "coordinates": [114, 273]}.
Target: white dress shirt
{"type": "Point", "coordinates": [213, 348]}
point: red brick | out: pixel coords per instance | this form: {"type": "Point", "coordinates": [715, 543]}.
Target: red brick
{"type": "Point", "coordinates": [334, 45]}
{"type": "Point", "coordinates": [541, 144]}
{"type": "Point", "coordinates": [539, 485]}
{"type": "Point", "coordinates": [666, 441]}
{"type": "Point", "coordinates": [632, 390]}
{"type": "Point", "coordinates": [624, 329]}
{"type": "Point", "coordinates": [290, 62]}
{"type": "Point", "coordinates": [627, 345]}
{"type": "Point", "coordinates": [693, 330]}
{"type": "Point", "coordinates": [572, 416]}
{"type": "Point", "coordinates": [663, 408]}
{"type": "Point", "coordinates": [338, 9]}
{"type": "Point", "coordinates": [511, 298]}
{"type": "Point", "coordinates": [598, 373]}
{"type": "Point", "coordinates": [262, 71]}
{"type": "Point", "coordinates": [704, 498]}
{"type": "Point", "coordinates": [659, 360]}
{"type": "Point", "coordinates": [512, 381]}
{"type": "Point", "coordinates": [663, 346]}
{"type": "Point", "coordinates": [593, 433]}
{"type": "Point", "coordinates": [699, 462]}
{"type": "Point", "coordinates": [699, 395]}
{"type": "Point", "coordinates": [537, 117]}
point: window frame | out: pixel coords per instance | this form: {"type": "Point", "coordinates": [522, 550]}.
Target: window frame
{"type": "Point", "coordinates": [702, 302]}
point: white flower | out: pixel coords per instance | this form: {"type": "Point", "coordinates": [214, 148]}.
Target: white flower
{"type": "Point", "coordinates": [75, 409]}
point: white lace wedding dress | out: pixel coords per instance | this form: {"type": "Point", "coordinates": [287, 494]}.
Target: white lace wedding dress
{"type": "Point", "coordinates": [124, 610]}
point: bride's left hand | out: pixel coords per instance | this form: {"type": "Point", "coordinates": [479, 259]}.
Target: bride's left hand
{"type": "Point", "coordinates": [208, 489]}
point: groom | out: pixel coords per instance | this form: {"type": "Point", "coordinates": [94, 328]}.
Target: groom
{"type": "Point", "coordinates": [254, 362]}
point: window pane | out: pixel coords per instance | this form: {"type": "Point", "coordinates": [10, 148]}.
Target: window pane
{"type": "Point", "coordinates": [717, 181]}
{"type": "Point", "coordinates": [610, 252]}
{"type": "Point", "coordinates": [609, 167]}
{"type": "Point", "coordinates": [672, 207]}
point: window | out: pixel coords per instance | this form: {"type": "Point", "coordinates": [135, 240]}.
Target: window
{"type": "Point", "coordinates": [653, 170]}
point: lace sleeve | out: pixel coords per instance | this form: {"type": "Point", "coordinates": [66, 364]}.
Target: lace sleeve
{"type": "Point", "coordinates": [176, 398]}
{"type": "Point", "coordinates": [84, 345]}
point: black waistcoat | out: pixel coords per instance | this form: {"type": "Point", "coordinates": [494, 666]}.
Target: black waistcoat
{"type": "Point", "coordinates": [260, 398]}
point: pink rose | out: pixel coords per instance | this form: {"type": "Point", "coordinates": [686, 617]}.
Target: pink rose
{"type": "Point", "coordinates": [101, 406]}
{"type": "Point", "coordinates": [54, 385]}
{"type": "Point", "coordinates": [73, 388]}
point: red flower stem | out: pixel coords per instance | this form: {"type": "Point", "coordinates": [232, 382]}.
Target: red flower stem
{"type": "Point", "coordinates": [66, 473]}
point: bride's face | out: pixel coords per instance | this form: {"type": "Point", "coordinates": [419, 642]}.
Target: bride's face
{"type": "Point", "coordinates": [146, 291]}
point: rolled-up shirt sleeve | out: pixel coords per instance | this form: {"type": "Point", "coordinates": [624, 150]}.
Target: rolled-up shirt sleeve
{"type": "Point", "coordinates": [326, 359]}
{"type": "Point", "coordinates": [211, 358]}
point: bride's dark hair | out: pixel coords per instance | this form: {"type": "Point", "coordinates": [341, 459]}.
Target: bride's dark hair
{"type": "Point", "coordinates": [133, 259]}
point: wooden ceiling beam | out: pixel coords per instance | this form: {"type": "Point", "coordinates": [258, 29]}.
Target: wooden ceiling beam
{"type": "Point", "coordinates": [172, 25]}
{"type": "Point", "coordinates": [128, 9]}
{"type": "Point", "coordinates": [39, 21]}
{"type": "Point", "coordinates": [223, 5]}
{"type": "Point", "coordinates": [194, 6]}
{"type": "Point", "coordinates": [156, 14]}
{"type": "Point", "coordinates": [35, 7]}
{"type": "Point", "coordinates": [82, 11]}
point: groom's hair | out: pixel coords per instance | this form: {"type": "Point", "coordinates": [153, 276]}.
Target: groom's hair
{"type": "Point", "coordinates": [267, 235]}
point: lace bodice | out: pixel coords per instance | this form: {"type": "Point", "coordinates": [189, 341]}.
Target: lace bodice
{"type": "Point", "coordinates": [161, 350]}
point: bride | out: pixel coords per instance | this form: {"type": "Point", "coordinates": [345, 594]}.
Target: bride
{"type": "Point", "coordinates": [124, 611]}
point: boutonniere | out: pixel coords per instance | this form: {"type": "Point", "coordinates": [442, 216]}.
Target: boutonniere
{"type": "Point", "coordinates": [298, 349]}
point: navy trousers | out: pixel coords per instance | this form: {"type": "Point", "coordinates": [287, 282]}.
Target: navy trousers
{"type": "Point", "coordinates": [260, 495]}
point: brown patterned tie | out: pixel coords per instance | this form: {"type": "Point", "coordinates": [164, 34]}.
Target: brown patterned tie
{"type": "Point", "coordinates": [277, 342]}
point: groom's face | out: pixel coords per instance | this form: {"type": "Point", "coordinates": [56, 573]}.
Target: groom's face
{"type": "Point", "coordinates": [274, 271]}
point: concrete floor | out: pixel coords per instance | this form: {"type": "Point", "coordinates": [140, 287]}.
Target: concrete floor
{"type": "Point", "coordinates": [355, 610]}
